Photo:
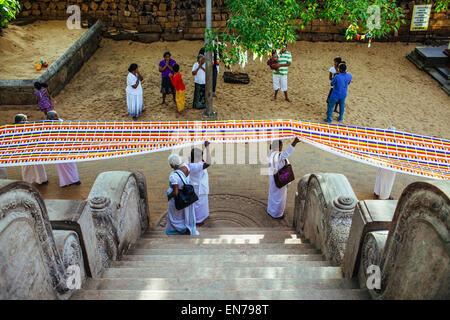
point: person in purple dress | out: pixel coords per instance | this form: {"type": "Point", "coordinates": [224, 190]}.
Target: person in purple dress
{"type": "Point", "coordinates": [43, 97]}
{"type": "Point", "coordinates": [166, 68]}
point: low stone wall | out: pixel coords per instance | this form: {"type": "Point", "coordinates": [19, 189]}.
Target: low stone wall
{"type": "Point", "coordinates": [168, 20]}
{"type": "Point", "coordinates": [20, 92]}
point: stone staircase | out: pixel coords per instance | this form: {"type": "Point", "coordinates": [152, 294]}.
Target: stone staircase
{"type": "Point", "coordinates": [222, 264]}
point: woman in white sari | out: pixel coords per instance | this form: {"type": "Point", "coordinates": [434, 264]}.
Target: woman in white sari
{"type": "Point", "coordinates": [67, 172]}
{"type": "Point", "coordinates": [179, 221]}
{"type": "Point", "coordinates": [276, 158]}
{"type": "Point", "coordinates": [135, 97]}
{"type": "Point", "coordinates": [34, 173]}
{"type": "Point", "coordinates": [384, 182]}
{"type": "Point", "coordinates": [199, 179]}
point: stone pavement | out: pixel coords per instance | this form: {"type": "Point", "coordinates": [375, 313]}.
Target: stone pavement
{"type": "Point", "coordinates": [236, 179]}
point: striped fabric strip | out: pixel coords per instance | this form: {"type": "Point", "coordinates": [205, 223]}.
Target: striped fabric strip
{"type": "Point", "coordinates": [58, 142]}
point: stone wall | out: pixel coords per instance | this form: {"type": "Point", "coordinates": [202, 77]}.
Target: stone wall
{"type": "Point", "coordinates": [152, 20]}
{"type": "Point", "coordinates": [20, 92]}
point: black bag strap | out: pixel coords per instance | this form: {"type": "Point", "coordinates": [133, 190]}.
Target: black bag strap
{"type": "Point", "coordinates": [279, 156]}
{"type": "Point", "coordinates": [184, 183]}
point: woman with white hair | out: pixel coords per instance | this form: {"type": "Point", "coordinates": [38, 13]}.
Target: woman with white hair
{"type": "Point", "coordinates": [33, 173]}
{"type": "Point", "coordinates": [179, 221]}
{"type": "Point", "coordinates": [384, 182]}
{"type": "Point", "coordinates": [199, 179]}
{"type": "Point", "coordinates": [67, 172]}
{"type": "Point", "coordinates": [277, 158]}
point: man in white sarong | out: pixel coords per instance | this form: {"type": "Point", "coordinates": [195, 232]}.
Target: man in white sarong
{"type": "Point", "coordinates": [276, 202]}
{"type": "Point", "coordinates": [179, 221]}
{"type": "Point", "coordinates": [199, 179]}
{"type": "Point", "coordinates": [3, 174]}
{"type": "Point", "coordinates": [384, 182]}
{"type": "Point", "coordinates": [67, 172]}
{"type": "Point", "coordinates": [34, 173]}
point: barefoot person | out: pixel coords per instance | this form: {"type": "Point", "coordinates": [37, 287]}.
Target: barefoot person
{"type": "Point", "coordinates": [33, 173]}
{"type": "Point", "coordinates": [280, 77]}
{"type": "Point", "coordinates": [199, 179]}
{"type": "Point", "coordinates": [198, 71]}
{"type": "Point", "coordinates": [179, 86]}
{"type": "Point", "coordinates": [340, 85]}
{"type": "Point", "coordinates": [179, 221]}
{"type": "Point", "coordinates": [384, 181]}
{"type": "Point", "coordinates": [166, 69]}
{"type": "Point", "coordinates": [334, 70]}
{"type": "Point", "coordinates": [43, 97]}
{"type": "Point", "coordinates": [276, 202]}
{"type": "Point", "coordinates": [135, 97]}
{"type": "Point", "coordinates": [67, 172]}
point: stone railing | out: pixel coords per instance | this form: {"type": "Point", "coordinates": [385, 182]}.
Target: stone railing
{"type": "Point", "coordinates": [396, 249]}
{"type": "Point", "coordinates": [324, 206]}
{"type": "Point", "coordinates": [41, 242]}
{"type": "Point", "coordinates": [59, 73]}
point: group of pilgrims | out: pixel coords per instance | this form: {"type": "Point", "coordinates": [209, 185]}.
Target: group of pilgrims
{"type": "Point", "coordinates": [171, 83]}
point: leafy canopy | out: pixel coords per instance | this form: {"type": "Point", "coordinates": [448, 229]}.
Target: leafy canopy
{"type": "Point", "coordinates": [263, 25]}
{"type": "Point", "coordinates": [8, 11]}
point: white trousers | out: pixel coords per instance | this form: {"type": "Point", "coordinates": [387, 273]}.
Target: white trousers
{"type": "Point", "coordinates": [279, 81]}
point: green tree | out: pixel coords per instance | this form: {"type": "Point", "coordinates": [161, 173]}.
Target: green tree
{"type": "Point", "coordinates": [260, 25]}
{"type": "Point", "coordinates": [8, 11]}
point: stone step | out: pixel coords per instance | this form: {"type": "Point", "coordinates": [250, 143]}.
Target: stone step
{"type": "Point", "coordinates": [312, 294]}
{"type": "Point", "coordinates": [143, 244]}
{"type": "Point", "coordinates": [226, 285]}
{"type": "Point", "coordinates": [202, 258]}
{"type": "Point", "coordinates": [218, 231]}
{"type": "Point", "coordinates": [226, 239]}
{"type": "Point", "coordinates": [205, 263]}
{"type": "Point", "coordinates": [218, 251]}
{"type": "Point", "coordinates": [226, 272]}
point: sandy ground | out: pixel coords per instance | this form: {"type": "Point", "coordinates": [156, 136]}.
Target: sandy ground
{"type": "Point", "coordinates": [21, 47]}
{"type": "Point", "coordinates": [387, 89]}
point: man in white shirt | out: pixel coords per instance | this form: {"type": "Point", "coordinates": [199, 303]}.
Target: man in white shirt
{"type": "Point", "coordinates": [199, 72]}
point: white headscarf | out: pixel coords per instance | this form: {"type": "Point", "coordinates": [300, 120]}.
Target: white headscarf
{"type": "Point", "coordinates": [175, 161]}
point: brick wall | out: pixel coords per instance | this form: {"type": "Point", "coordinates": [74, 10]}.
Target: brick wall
{"type": "Point", "coordinates": [151, 20]}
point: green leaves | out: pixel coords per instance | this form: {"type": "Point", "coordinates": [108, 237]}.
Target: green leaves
{"type": "Point", "coordinates": [263, 25]}
{"type": "Point", "coordinates": [8, 10]}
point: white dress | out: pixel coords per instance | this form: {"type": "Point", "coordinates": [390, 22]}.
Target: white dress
{"type": "Point", "coordinates": [135, 97]}
{"type": "Point", "coordinates": [276, 202]}
{"type": "Point", "coordinates": [384, 183]}
{"type": "Point", "coordinates": [179, 221]}
{"type": "Point", "coordinates": [198, 177]}
{"type": "Point", "coordinates": [34, 173]}
{"type": "Point", "coordinates": [67, 172]}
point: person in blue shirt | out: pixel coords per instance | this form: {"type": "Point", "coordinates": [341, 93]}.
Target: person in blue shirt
{"type": "Point", "coordinates": [340, 85]}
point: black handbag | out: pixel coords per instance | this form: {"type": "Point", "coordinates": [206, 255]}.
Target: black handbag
{"type": "Point", "coordinates": [186, 196]}
{"type": "Point", "coordinates": [283, 176]}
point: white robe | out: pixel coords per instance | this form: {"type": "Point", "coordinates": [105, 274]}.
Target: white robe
{"type": "Point", "coordinates": [34, 173]}
{"type": "Point", "coordinates": [179, 220]}
{"type": "Point", "coordinates": [384, 183]}
{"type": "Point", "coordinates": [3, 174]}
{"type": "Point", "coordinates": [67, 172]}
{"type": "Point", "coordinates": [135, 97]}
{"type": "Point", "coordinates": [276, 202]}
{"type": "Point", "coordinates": [198, 177]}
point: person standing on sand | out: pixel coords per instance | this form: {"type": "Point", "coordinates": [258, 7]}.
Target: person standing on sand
{"type": "Point", "coordinates": [334, 70]}
{"type": "Point", "coordinates": [166, 69]}
{"type": "Point", "coordinates": [43, 97]}
{"type": "Point", "coordinates": [280, 77]}
{"type": "Point", "coordinates": [67, 172]}
{"type": "Point", "coordinates": [340, 85]}
{"type": "Point", "coordinates": [135, 96]}
{"type": "Point", "coordinates": [384, 182]}
{"type": "Point", "coordinates": [277, 158]}
{"type": "Point", "coordinates": [179, 86]}
{"type": "Point", "coordinates": [198, 71]}
{"type": "Point", "coordinates": [33, 173]}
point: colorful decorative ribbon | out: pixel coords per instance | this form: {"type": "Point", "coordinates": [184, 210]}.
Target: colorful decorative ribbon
{"type": "Point", "coordinates": [55, 142]}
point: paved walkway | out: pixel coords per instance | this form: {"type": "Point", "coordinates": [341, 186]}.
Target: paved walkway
{"type": "Point", "coordinates": [239, 179]}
